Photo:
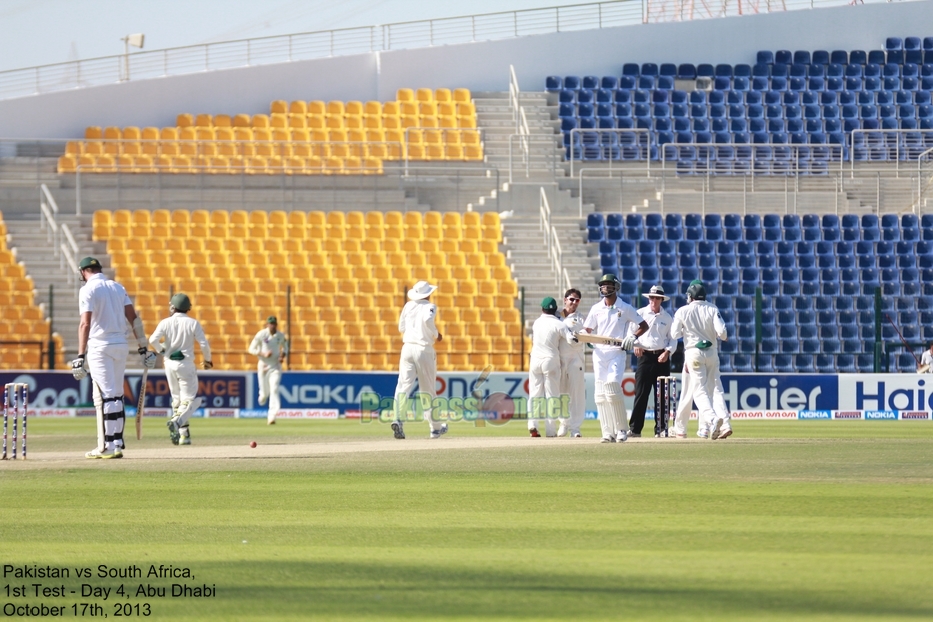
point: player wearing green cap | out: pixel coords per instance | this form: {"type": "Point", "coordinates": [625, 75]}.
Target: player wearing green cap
{"type": "Point", "coordinates": [547, 333]}
{"type": "Point", "coordinates": [271, 347]}
{"type": "Point", "coordinates": [105, 311]}
{"type": "Point", "coordinates": [174, 337]}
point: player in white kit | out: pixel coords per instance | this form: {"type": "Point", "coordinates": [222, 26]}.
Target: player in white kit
{"type": "Point", "coordinates": [174, 337]}
{"type": "Point", "coordinates": [270, 346]}
{"type": "Point", "coordinates": [572, 367]}
{"type": "Point", "coordinates": [610, 317]}
{"type": "Point", "coordinates": [418, 362]}
{"type": "Point", "coordinates": [701, 326]}
{"type": "Point", "coordinates": [544, 371]}
{"type": "Point", "coordinates": [105, 311]}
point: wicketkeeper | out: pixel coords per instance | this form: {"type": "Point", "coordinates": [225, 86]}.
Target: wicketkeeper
{"type": "Point", "coordinates": [544, 371]}
{"type": "Point", "coordinates": [701, 326]}
{"type": "Point", "coordinates": [174, 337]}
{"type": "Point", "coordinates": [418, 362]}
{"type": "Point", "coordinates": [105, 311]}
{"type": "Point", "coordinates": [610, 317]}
{"type": "Point", "coordinates": [270, 346]}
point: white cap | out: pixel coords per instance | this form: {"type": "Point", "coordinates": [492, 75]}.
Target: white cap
{"type": "Point", "coordinates": [421, 290]}
{"type": "Point", "coordinates": [658, 292]}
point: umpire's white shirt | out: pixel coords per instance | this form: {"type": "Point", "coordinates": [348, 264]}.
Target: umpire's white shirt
{"type": "Point", "coordinates": [699, 321]}
{"type": "Point", "coordinates": [180, 332]}
{"type": "Point", "coordinates": [107, 301]}
{"type": "Point", "coordinates": [927, 359]}
{"type": "Point", "coordinates": [658, 335]}
{"type": "Point", "coordinates": [416, 323]}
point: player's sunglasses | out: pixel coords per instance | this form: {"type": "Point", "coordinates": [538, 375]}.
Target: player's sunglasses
{"type": "Point", "coordinates": [573, 300]}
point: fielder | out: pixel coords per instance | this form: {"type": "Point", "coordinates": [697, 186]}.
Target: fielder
{"type": "Point", "coordinates": [271, 347]}
{"type": "Point", "coordinates": [685, 406]}
{"type": "Point", "coordinates": [701, 325]}
{"type": "Point", "coordinates": [544, 373]}
{"type": "Point", "coordinates": [926, 361]}
{"type": "Point", "coordinates": [572, 367]}
{"type": "Point", "coordinates": [610, 317]}
{"type": "Point", "coordinates": [105, 311]}
{"type": "Point", "coordinates": [418, 362]}
{"type": "Point", "coordinates": [175, 335]}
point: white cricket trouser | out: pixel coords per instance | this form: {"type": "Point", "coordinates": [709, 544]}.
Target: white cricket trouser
{"type": "Point", "coordinates": [573, 383]}
{"type": "Point", "coordinates": [106, 364]}
{"type": "Point", "coordinates": [685, 406]}
{"type": "Point", "coordinates": [182, 379]}
{"type": "Point", "coordinates": [609, 370]}
{"type": "Point", "coordinates": [417, 364]}
{"type": "Point", "coordinates": [543, 382]}
{"type": "Point", "coordinates": [269, 380]}
{"type": "Point", "coordinates": [704, 367]}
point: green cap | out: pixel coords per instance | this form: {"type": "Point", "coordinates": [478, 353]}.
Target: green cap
{"type": "Point", "coordinates": [271, 320]}
{"type": "Point", "coordinates": [181, 302]}
{"type": "Point", "coordinates": [88, 262]}
{"type": "Point", "coordinates": [549, 304]}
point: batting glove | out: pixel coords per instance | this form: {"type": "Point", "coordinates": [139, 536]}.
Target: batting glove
{"type": "Point", "coordinates": [207, 365]}
{"type": "Point", "coordinates": [149, 357]}
{"type": "Point", "coordinates": [79, 368]}
{"type": "Point", "coordinates": [628, 344]}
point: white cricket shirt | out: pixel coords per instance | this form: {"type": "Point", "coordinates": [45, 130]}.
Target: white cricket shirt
{"type": "Point", "coordinates": [179, 333]}
{"type": "Point", "coordinates": [416, 323]}
{"type": "Point", "coordinates": [107, 301]}
{"type": "Point", "coordinates": [658, 335]}
{"type": "Point", "coordinates": [698, 321]}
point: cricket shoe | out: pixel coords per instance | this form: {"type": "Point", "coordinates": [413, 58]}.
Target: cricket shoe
{"type": "Point", "coordinates": [107, 454]}
{"type": "Point", "coordinates": [173, 434]}
{"type": "Point", "coordinates": [577, 435]}
{"type": "Point", "coordinates": [714, 431]}
{"type": "Point", "coordinates": [634, 434]}
{"type": "Point", "coordinates": [185, 438]}
{"type": "Point", "coordinates": [534, 433]}
{"type": "Point", "coordinates": [725, 434]}
{"type": "Point", "coordinates": [397, 430]}
{"type": "Point", "coordinates": [703, 433]}
{"type": "Point", "coordinates": [622, 436]}
{"type": "Point", "coordinates": [562, 430]}
{"type": "Point", "coordinates": [608, 439]}
{"type": "Point", "coordinates": [439, 432]}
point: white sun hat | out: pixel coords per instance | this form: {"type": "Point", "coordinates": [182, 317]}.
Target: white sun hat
{"type": "Point", "coordinates": [656, 291]}
{"type": "Point", "coordinates": [421, 290]}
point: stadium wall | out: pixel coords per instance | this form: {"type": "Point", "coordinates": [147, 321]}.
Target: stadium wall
{"type": "Point", "coordinates": [481, 66]}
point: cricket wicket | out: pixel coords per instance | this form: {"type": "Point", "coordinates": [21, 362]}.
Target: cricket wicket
{"type": "Point", "coordinates": [18, 401]}
{"type": "Point", "coordinates": [665, 402]}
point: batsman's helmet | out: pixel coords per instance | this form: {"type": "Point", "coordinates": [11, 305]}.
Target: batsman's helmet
{"type": "Point", "coordinates": [607, 280]}
{"type": "Point", "coordinates": [181, 302]}
{"type": "Point", "coordinates": [696, 291]}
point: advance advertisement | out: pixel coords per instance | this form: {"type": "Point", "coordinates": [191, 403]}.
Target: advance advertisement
{"type": "Point", "coordinates": [329, 395]}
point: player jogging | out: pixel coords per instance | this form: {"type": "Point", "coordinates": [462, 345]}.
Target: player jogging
{"type": "Point", "coordinates": [572, 365]}
{"type": "Point", "coordinates": [174, 337]}
{"type": "Point", "coordinates": [701, 325]}
{"type": "Point", "coordinates": [271, 347]}
{"type": "Point", "coordinates": [105, 310]}
{"type": "Point", "coordinates": [544, 371]}
{"type": "Point", "coordinates": [610, 317]}
{"type": "Point", "coordinates": [418, 362]}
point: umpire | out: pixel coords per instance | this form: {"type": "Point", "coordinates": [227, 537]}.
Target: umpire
{"type": "Point", "coordinates": [654, 350]}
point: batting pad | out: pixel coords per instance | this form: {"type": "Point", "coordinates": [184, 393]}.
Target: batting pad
{"type": "Point", "coordinates": [603, 411]}
{"type": "Point", "coordinates": [616, 406]}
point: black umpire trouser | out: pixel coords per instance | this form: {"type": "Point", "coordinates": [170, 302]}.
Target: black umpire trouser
{"type": "Point", "coordinates": [646, 380]}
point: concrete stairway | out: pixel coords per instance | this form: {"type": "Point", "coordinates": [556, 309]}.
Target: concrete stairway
{"type": "Point", "coordinates": [35, 248]}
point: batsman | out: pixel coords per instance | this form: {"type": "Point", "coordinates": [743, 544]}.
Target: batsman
{"type": "Point", "coordinates": [174, 337]}
{"type": "Point", "coordinates": [105, 311]}
{"type": "Point", "coordinates": [610, 317]}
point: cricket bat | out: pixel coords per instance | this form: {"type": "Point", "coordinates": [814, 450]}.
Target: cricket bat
{"type": "Point", "coordinates": [478, 394]}
{"type": "Point", "coordinates": [586, 337]}
{"type": "Point", "coordinates": [142, 404]}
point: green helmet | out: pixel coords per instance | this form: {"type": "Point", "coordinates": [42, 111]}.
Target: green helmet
{"type": "Point", "coordinates": [607, 280]}
{"type": "Point", "coordinates": [88, 262]}
{"type": "Point", "coordinates": [696, 291]}
{"type": "Point", "coordinates": [181, 302]}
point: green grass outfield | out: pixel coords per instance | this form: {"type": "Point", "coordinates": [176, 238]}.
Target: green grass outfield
{"type": "Point", "coordinates": [784, 521]}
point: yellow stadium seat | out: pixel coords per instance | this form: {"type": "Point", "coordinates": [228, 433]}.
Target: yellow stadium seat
{"type": "Point", "coordinates": [184, 120]}
{"type": "Point", "coordinates": [93, 133]}
{"type": "Point", "coordinates": [67, 164]}
{"type": "Point", "coordinates": [204, 120]}
{"type": "Point", "coordinates": [278, 106]}
{"type": "Point", "coordinates": [259, 121]}
{"type": "Point", "coordinates": [223, 120]}
{"type": "Point", "coordinates": [462, 96]}
{"type": "Point", "coordinates": [241, 120]}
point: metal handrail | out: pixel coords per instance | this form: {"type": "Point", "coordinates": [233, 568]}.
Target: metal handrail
{"type": "Point", "coordinates": [367, 39]}
{"type": "Point", "coordinates": [643, 141]}
{"type": "Point", "coordinates": [923, 186]}
{"type": "Point", "coordinates": [526, 160]}
{"type": "Point", "coordinates": [552, 242]}
{"type": "Point", "coordinates": [882, 134]}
